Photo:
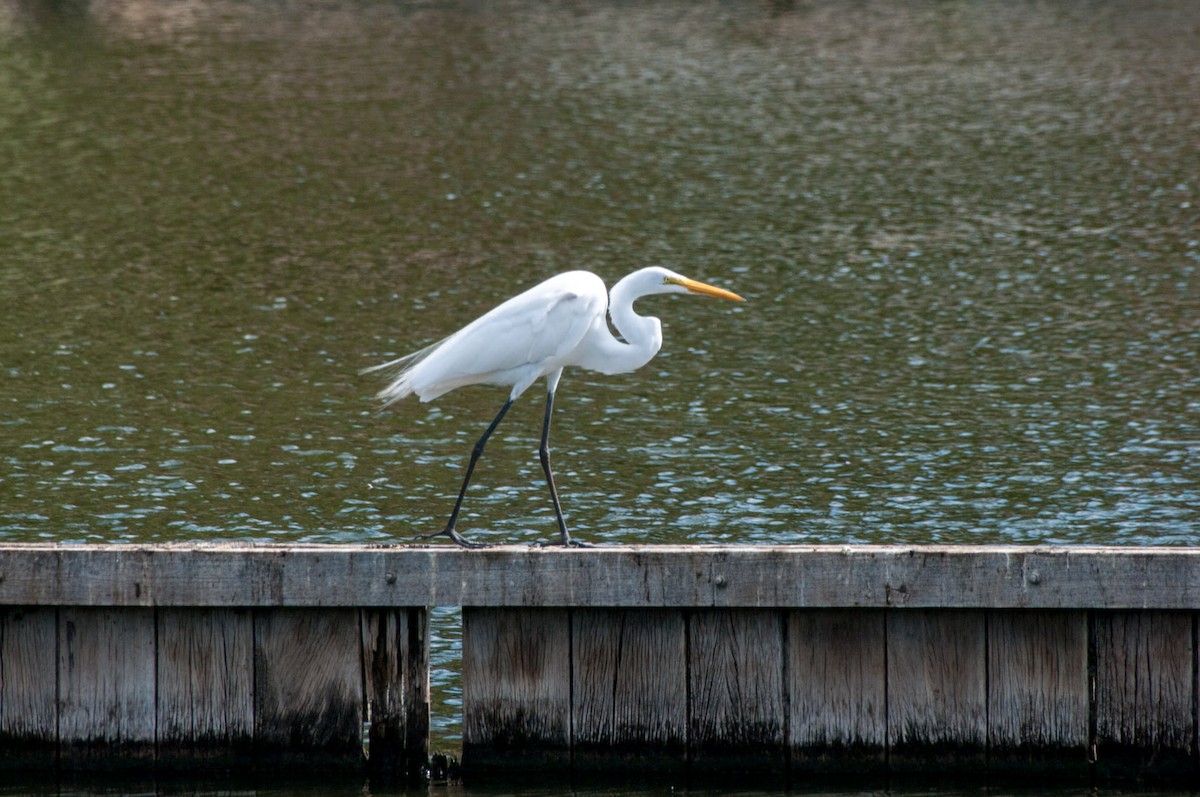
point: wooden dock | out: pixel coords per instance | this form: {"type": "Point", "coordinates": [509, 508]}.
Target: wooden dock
{"type": "Point", "coordinates": [788, 661]}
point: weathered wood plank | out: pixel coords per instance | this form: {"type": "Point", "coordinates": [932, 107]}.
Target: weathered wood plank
{"type": "Point", "coordinates": [417, 665]}
{"type": "Point", "coordinates": [308, 695]}
{"type": "Point", "coordinates": [205, 675]}
{"type": "Point", "coordinates": [629, 701]}
{"type": "Point", "coordinates": [106, 687]}
{"type": "Point", "coordinates": [396, 679]}
{"type": "Point", "coordinates": [736, 691]}
{"type": "Point", "coordinates": [836, 682]}
{"type": "Point", "coordinates": [866, 576]}
{"type": "Point", "coordinates": [516, 689]}
{"type": "Point", "coordinates": [1038, 692]}
{"type": "Point", "coordinates": [956, 576]}
{"type": "Point", "coordinates": [1145, 693]}
{"type": "Point", "coordinates": [28, 687]}
{"type": "Point", "coordinates": [937, 691]}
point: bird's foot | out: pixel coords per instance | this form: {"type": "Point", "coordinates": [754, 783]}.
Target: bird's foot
{"type": "Point", "coordinates": [570, 542]}
{"type": "Point", "coordinates": [453, 534]}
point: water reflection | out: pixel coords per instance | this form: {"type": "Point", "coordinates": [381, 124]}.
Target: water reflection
{"type": "Point", "coordinates": [967, 234]}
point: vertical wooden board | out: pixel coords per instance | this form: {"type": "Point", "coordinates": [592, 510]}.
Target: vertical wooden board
{"type": "Point", "coordinates": [836, 682]}
{"type": "Point", "coordinates": [629, 699]}
{"type": "Point", "coordinates": [937, 690]}
{"type": "Point", "coordinates": [106, 687]}
{"type": "Point", "coordinates": [416, 686]}
{"type": "Point", "coordinates": [516, 689]}
{"type": "Point", "coordinates": [736, 692]}
{"type": "Point", "coordinates": [1145, 693]}
{"type": "Point", "coordinates": [1038, 692]}
{"type": "Point", "coordinates": [28, 687]}
{"type": "Point", "coordinates": [205, 688]}
{"type": "Point", "coordinates": [396, 681]}
{"type": "Point", "coordinates": [308, 697]}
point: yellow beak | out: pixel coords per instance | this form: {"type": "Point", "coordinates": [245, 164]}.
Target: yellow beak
{"type": "Point", "coordinates": [707, 290]}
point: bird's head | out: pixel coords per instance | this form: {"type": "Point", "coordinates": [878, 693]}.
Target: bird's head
{"type": "Point", "coordinates": [662, 280]}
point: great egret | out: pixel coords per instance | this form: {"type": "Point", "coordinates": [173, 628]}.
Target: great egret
{"type": "Point", "coordinates": [536, 334]}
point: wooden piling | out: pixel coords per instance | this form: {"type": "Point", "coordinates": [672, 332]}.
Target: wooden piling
{"type": "Point", "coordinates": [113, 681]}
{"type": "Point", "coordinates": [205, 688]}
{"type": "Point", "coordinates": [836, 669]}
{"type": "Point", "coordinates": [735, 691]}
{"type": "Point", "coordinates": [937, 690]}
{"type": "Point", "coordinates": [308, 687]}
{"type": "Point", "coordinates": [517, 682]}
{"type": "Point", "coordinates": [106, 694]}
{"type": "Point", "coordinates": [1145, 682]}
{"type": "Point", "coordinates": [629, 707]}
{"type": "Point", "coordinates": [1038, 692]}
{"type": "Point", "coordinates": [784, 661]}
{"type": "Point", "coordinates": [28, 698]}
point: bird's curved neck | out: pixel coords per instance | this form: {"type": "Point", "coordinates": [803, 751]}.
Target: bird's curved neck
{"type": "Point", "coordinates": [642, 334]}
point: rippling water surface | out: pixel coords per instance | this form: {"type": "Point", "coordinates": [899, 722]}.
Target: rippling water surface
{"type": "Point", "coordinates": [968, 234]}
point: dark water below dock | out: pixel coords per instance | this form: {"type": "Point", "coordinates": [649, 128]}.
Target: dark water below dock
{"type": "Point", "coordinates": [283, 787]}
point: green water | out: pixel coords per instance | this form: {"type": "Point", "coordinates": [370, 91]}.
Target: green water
{"type": "Point", "coordinates": [968, 233]}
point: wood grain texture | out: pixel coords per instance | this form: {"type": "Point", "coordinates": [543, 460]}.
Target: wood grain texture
{"type": "Point", "coordinates": [416, 687]}
{"type": "Point", "coordinates": [629, 700]}
{"type": "Point", "coordinates": [1145, 692]}
{"type": "Point", "coordinates": [205, 675]}
{"type": "Point", "coordinates": [736, 692]}
{"type": "Point", "coordinates": [308, 688]}
{"type": "Point", "coordinates": [937, 691]}
{"type": "Point", "coordinates": [868, 576]}
{"type": "Point", "coordinates": [395, 645]}
{"type": "Point", "coordinates": [1038, 692]}
{"type": "Point", "coordinates": [28, 687]}
{"type": "Point", "coordinates": [982, 650]}
{"type": "Point", "coordinates": [106, 677]}
{"type": "Point", "coordinates": [516, 689]}
{"type": "Point", "coordinates": [836, 682]}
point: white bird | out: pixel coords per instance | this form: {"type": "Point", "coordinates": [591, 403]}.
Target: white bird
{"type": "Point", "coordinates": [536, 334]}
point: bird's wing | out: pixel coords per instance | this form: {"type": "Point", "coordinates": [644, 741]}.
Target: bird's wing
{"type": "Point", "coordinates": [514, 343]}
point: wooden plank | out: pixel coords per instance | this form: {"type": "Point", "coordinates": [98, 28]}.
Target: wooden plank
{"type": "Point", "coordinates": [1038, 693]}
{"type": "Point", "coordinates": [836, 682]}
{"type": "Point", "coordinates": [1145, 693]}
{"type": "Point", "coordinates": [28, 687]}
{"type": "Point", "coordinates": [396, 680]}
{"type": "Point", "coordinates": [609, 576]}
{"type": "Point", "coordinates": [415, 653]}
{"type": "Point", "coordinates": [629, 699]}
{"type": "Point", "coordinates": [308, 695]}
{"type": "Point", "coordinates": [516, 689]}
{"type": "Point", "coordinates": [205, 674]}
{"type": "Point", "coordinates": [736, 693]}
{"type": "Point", "coordinates": [937, 693]}
{"type": "Point", "coordinates": [417, 664]}
{"type": "Point", "coordinates": [106, 687]}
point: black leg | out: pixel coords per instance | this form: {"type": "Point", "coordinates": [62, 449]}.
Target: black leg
{"type": "Point", "coordinates": [450, 530]}
{"type": "Point", "coordinates": [544, 455]}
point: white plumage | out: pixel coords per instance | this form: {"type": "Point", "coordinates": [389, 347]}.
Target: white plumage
{"type": "Point", "coordinates": [558, 323]}
{"type": "Point", "coordinates": [516, 343]}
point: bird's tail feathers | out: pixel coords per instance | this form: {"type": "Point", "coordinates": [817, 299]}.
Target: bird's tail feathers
{"type": "Point", "coordinates": [397, 371]}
